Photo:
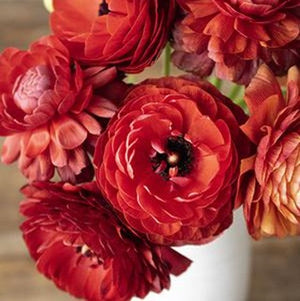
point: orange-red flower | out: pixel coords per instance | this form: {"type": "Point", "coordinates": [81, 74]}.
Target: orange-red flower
{"type": "Point", "coordinates": [269, 185]}
{"type": "Point", "coordinates": [236, 36]}
{"type": "Point", "coordinates": [49, 110]}
{"type": "Point", "coordinates": [83, 248]}
{"type": "Point", "coordinates": [168, 160]}
{"type": "Point", "coordinates": [128, 34]}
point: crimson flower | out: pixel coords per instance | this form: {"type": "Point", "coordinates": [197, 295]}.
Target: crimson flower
{"type": "Point", "coordinates": [269, 185]}
{"type": "Point", "coordinates": [83, 248]}
{"type": "Point", "coordinates": [128, 34]}
{"type": "Point", "coordinates": [168, 161]}
{"type": "Point", "coordinates": [236, 36]}
{"type": "Point", "coordinates": [49, 110]}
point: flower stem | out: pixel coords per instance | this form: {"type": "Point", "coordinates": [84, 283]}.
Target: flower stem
{"type": "Point", "coordinates": [237, 96]}
{"type": "Point", "coordinates": [235, 92]}
{"type": "Point", "coordinates": [284, 91]}
{"type": "Point", "coordinates": [167, 60]}
{"type": "Point", "coordinates": [130, 79]}
{"type": "Point", "coordinates": [240, 102]}
{"type": "Point", "coordinates": [217, 82]}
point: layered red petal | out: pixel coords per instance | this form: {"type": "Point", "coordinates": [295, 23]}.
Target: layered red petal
{"type": "Point", "coordinates": [236, 37]}
{"type": "Point", "coordinates": [78, 243]}
{"type": "Point", "coordinates": [269, 181]}
{"type": "Point", "coordinates": [53, 110]}
{"type": "Point", "coordinates": [168, 156]}
{"type": "Point", "coordinates": [127, 34]}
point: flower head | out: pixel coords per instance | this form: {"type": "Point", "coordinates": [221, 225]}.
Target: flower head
{"type": "Point", "coordinates": [128, 34]}
{"type": "Point", "coordinates": [236, 36]}
{"type": "Point", "coordinates": [269, 185]}
{"type": "Point", "coordinates": [79, 244]}
{"type": "Point", "coordinates": [50, 109]}
{"type": "Point", "coordinates": [168, 160]}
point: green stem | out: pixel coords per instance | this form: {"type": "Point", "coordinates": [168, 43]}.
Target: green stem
{"type": "Point", "coordinates": [284, 91]}
{"type": "Point", "coordinates": [240, 102]}
{"type": "Point", "coordinates": [167, 60]}
{"type": "Point", "coordinates": [217, 82]}
{"type": "Point", "coordinates": [237, 97]}
{"type": "Point", "coordinates": [130, 79]}
{"type": "Point", "coordinates": [235, 92]}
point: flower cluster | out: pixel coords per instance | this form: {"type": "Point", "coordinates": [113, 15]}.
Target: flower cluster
{"type": "Point", "coordinates": [147, 166]}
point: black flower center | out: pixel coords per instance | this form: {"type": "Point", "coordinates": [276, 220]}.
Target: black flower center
{"type": "Point", "coordinates": [85, 251]}
{"type": "Point", "coordinates": [176, 161]}
{"type": "Point", "coordinates": [103, 8]}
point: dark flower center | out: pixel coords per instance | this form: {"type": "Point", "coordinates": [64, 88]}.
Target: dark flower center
{"type": "Point", "coordinates": [176, 161]}
{"type": "Point", "coordinates": [103, 8]}
{"type": "Point", "coordinates": [87, 252]}
{"type": "Point", "coordinates": [73, 67]}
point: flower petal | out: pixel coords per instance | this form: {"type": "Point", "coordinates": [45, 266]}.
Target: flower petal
{"type": "Point", "coordinates": [68, 133]}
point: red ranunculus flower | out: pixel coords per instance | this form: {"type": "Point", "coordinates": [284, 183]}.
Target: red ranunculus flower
{"type": "Point", "coordinates": [78, 243]}
{"type": "Point", "coordinates": [269, 185]}
{"type": "Point", "coordinates": [168, 160]}
{"type": "Point", "coordinates": [235, 36]}
{"type": "Point", "coordinates": [128, 34]}
{"type": "Point", "coordinates": [49, 110]}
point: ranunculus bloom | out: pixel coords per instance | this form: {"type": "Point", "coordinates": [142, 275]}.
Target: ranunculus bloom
{"type": "Point", "coordinates": [128, 34]}
{"type": "Point", "coordinates": [83, 248]}
{"type": "Point", "coordinates": [235, 36]}
{"type": "Point", "coordinates": [168, 160]}
{"type": "Point", "coordinates": [269, 185]}
{"type": "Point", "coordinates": [49, 110]}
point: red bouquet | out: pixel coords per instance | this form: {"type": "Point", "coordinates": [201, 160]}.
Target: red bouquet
{"type": "Point", "coordinates": [119, 172]}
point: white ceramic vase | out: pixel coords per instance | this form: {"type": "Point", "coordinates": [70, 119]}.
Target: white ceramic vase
{"type": "Point", "coordinates": [220, 270]}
